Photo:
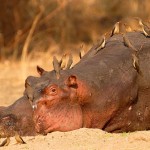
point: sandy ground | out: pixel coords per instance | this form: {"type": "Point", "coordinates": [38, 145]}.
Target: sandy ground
{"type": "Point", "coordinates": [11, 88]}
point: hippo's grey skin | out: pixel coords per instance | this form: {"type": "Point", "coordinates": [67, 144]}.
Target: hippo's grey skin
{"type": "Point", "coordinates": [102, 91]}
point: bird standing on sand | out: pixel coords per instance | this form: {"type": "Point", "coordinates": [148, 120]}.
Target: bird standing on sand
{"type": "Point", "coordinates": [5, 142]}
{"type": "Point", "coordinates": [19, 139]}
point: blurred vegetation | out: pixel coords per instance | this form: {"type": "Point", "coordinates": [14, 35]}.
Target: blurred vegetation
{"type": "Point", "coordinates": [65, 23]}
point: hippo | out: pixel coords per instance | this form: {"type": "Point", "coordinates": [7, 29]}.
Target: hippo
{"type": "Point", "coordinates": [103, 90]}
{"type": "Point", "coordinates": [17, 118]}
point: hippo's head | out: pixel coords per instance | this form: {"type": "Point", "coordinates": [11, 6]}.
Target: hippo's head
{"type": "Point", "coordinates": [56, 98]}
{"type": "Point", "coordinates": [59, 106]}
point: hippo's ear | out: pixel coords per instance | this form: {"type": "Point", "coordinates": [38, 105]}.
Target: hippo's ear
{"type": "Point", "coordinates": [40, 70]}
{"type": "Point", "coordinates": [72, 81]}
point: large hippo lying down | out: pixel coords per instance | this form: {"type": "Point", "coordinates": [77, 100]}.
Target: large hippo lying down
{"type": "Point", "coordinates": [104, 90]}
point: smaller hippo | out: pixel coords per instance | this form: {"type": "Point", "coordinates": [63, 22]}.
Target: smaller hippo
{"type": "Point", "coordinates": [17, 118]}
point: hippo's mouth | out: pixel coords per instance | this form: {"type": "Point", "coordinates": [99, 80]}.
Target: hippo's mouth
{"type": "Point", "coordinates": [60, 118]}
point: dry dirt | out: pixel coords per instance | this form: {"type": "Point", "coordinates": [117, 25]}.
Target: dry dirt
{"type": "Point", "coordinates": [12, 77]}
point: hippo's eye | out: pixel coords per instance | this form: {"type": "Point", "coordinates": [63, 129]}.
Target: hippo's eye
{"type": "Point", "coordinates": [53, 90]}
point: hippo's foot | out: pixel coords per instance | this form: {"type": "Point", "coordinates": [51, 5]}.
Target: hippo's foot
{"type": "Point", "coordinates": [5, 142]}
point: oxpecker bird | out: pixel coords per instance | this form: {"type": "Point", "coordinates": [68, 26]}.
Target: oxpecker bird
{"type": "Point", "coordinates": [136, 62]}
{"type": "Point", "coordinates": [56, 66]}
{"type": "Point", "coordinates": [145, 28]}
{"type": "Point", "coordinates": [115, 29]}
{"type": "Point", "coordinates": [96, 48]}
{"type": "Point", "coordinates": [70, 61]}
{"type": "Point", "coordinates": [63, 62]}
{"type": "Point", "coordinates": [19, 139]}
{"type": "Point", "coordinates": [101, 45]}
{"type": "Point", "coordinates": [127, 43]}
{"type": "Point", "coordinates": [5, 142]}
{"type": "Point", "coordinates": [82, 52]}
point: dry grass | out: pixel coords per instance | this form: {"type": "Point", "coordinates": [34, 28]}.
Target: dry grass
{"type": "Point", "coordinates": [62, 22]}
